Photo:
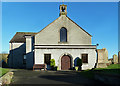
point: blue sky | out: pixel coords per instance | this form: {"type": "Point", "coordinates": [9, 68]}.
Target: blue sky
{"type": "Point", "coordinates": [100, 19]}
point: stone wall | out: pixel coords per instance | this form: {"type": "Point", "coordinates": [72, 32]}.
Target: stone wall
{"type": "Point", "coordinates": [6, 79]}
{"type": "Point", "coordinates": [115, 59]}
{"type": "Point", "coordinates": [102, 58]}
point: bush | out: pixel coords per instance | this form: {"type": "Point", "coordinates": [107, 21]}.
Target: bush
{"type": "Point", "coordinates": [79, 62]}
{"type": "Point", "coordinates": [52, 62]}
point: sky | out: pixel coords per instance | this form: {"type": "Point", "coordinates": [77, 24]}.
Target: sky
{"type": "Point", "coordinates": [100, 19]}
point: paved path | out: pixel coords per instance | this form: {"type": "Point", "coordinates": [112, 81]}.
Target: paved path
{"type": "Point", "coordinates": [51, 77]}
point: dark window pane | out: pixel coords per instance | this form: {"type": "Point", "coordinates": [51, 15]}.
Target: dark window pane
{"type": "Point", "coordinates": [63, 35]}
{"type": "Point", "coordinates": [47, 58]}
{"type": "Point", "coordinates": [85, 58]}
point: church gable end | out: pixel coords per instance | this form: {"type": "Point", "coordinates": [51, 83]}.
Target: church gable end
{"type": "Point", "coordinates": [74, 33]}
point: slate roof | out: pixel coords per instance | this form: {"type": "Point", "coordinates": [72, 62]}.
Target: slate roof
{"type": "Point", "coordinates": [19, 37]}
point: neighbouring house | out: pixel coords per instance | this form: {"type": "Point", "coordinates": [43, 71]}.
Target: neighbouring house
{"type": "Point", "coordinates": [102, 58]}
{"type": "Point", "coordinates": [62, 40]}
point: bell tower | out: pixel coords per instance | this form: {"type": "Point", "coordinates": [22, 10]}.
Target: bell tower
{"type": "Point", "coordinates": [63, 9]}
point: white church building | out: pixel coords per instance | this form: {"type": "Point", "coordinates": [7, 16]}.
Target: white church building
{"type": "Point", "coordinates": [62, 40]}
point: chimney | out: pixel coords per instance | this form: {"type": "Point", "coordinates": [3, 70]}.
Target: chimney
{"type": "Point", "coordinates": [28, 43]}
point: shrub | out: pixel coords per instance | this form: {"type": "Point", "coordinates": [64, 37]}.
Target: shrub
{"type": "Point", "coordinates": [52, 62]}
{"type": "Point", "coordinates": [79, 62]}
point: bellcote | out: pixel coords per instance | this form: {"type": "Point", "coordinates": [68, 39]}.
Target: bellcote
{"type": "Point", "coordinates": [63, 9]}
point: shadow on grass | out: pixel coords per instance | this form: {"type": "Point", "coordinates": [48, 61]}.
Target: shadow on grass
{"type": "Point", "coordinates": [103, 72]}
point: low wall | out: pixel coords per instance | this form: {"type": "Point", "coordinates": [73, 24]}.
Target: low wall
{"type": "Point", "coordinates": [6, 79]}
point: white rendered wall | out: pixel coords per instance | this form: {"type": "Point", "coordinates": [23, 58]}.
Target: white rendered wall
{"type": "Point", "coordinates": [29, 52]}
{"type": "Point", "coordinates": [58, 53]}
{"type": "Point", "coordinates": [17, 50]}
{"type": "Point", "coordinates": [51, 34]}
{"type": "Point", "coordinates": [14, 45]}
{"type": "Point", "coordinates": [28, 44]}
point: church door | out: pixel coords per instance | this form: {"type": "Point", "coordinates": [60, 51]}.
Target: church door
{"type": "Point", "coordinates": [65, 62]}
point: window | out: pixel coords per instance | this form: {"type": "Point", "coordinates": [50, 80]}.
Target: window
{"type": "Point", "coordinates": [63, 34]}
{"type": "Point", "coordinates": [47, 58]}
{"type": "Point", "coordinates": [24, 59]}
{"type": "Point", "coordinates": [84, 58]}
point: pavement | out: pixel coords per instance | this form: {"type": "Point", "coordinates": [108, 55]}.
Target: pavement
{"type": "Point", "coordinates": [28, 77]}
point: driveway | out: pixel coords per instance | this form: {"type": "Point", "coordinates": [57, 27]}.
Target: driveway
{"type": "Point", "coordinates": [51, 77]}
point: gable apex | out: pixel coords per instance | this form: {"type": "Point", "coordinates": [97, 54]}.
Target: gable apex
{"type": "Point", "coordinates": [70, 20]}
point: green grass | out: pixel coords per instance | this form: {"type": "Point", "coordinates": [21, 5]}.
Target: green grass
{"type": "Point", "coordinates": [111, 69]}
{"type": "Point", "coordinates": [114, 66]}
{"type": "Point", "coordinates": [3, 71]}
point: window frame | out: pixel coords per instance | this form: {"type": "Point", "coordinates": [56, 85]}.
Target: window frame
{"type": "Point", "coordinates": [85, 61]}
{"type": "Point", "coordinates": [46, 57]}
{"type": "Point", "coordinates": [60, 35]}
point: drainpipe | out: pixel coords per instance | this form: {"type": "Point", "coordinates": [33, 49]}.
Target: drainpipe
{"type": "Point", "coordinates": [97, 56]}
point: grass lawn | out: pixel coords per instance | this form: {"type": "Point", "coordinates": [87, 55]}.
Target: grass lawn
{"type": "Point", "coordinates": [3, 71]}
{"type": "Point", "coordinates": [114, 66]}
{"type": "Point", "coordinates": [111, 69]}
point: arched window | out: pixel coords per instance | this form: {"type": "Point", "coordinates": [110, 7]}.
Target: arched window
{"type": "Point", "coordinates": [63, 34]}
